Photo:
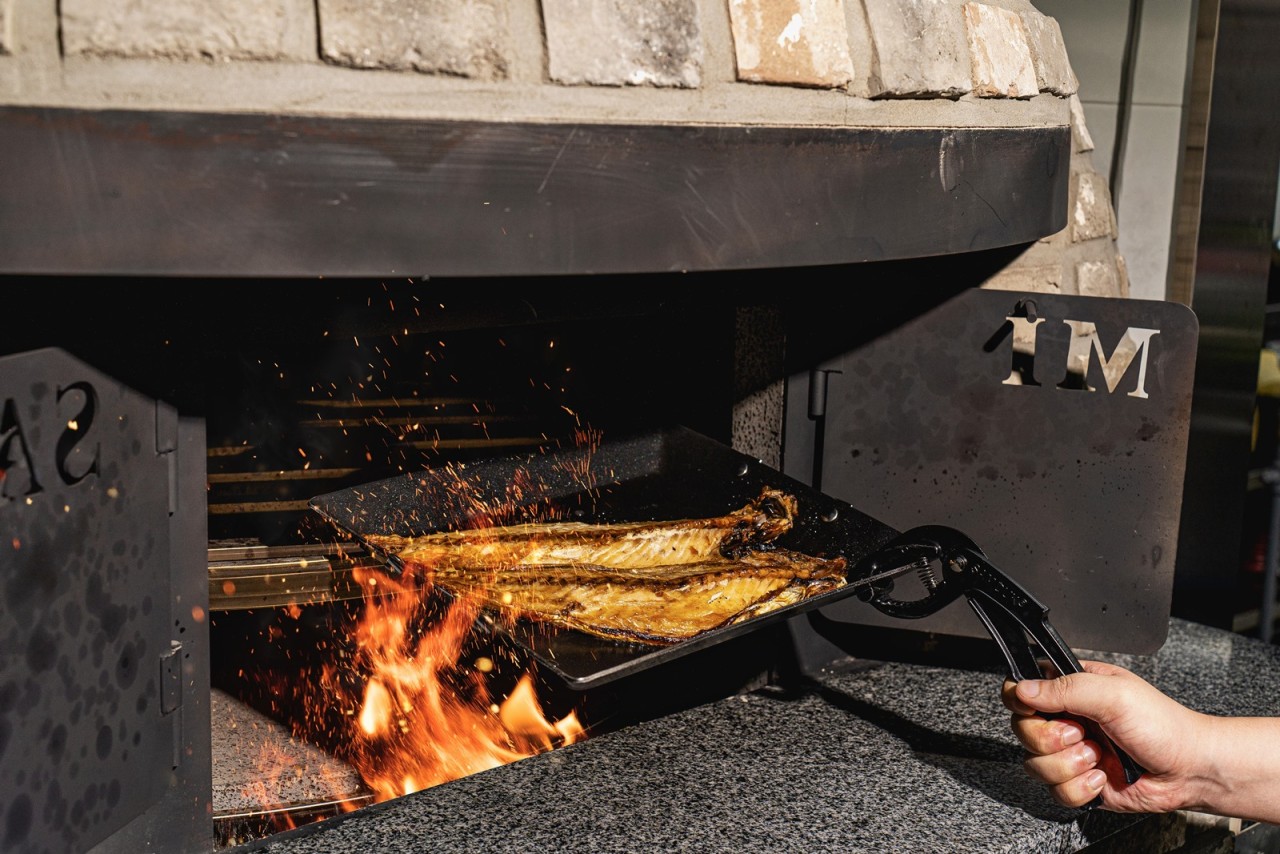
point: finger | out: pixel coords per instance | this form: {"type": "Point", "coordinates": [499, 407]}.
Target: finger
{"type": "Point", "coordinates": [1043, 737]}
{"type": "Point", "coordinates": [1064, 765]}
{"type": "Point", "coordinates": [1098, 696]}
{"type": "Point", "coordinates": [1103, 669]}
{"type": "Point", "coordinates": [1048, 668]}
{"type": "Point", "coordinates": [1079, 791]}
{"type": "Point", "coordinates": [1009, 696]}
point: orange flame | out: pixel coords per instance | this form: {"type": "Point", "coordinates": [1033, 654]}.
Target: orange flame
{"type": "Point", "coordinates": [410, 713]}
{"type": "Point", "coordinates": [375, 716]}
{"type": "Point", "coordinates": [522, 717]}
{"type": "Point", "coordinates": [426, 717]}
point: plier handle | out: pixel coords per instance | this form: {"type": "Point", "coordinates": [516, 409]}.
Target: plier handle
{"type": "Point", "coordinates": [1008, 611]}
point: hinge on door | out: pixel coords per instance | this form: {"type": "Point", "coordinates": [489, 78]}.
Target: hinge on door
{"type": "Point", "coordinates": [167, 446]}
{"type": "Point", "coordinates": [171, 695]}
{"type": "Point", "coordinates": [171, 678]}
{"type": "Point", "coordinates": [818, 415]}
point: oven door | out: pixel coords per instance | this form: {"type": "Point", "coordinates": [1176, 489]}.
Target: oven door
{"type": "Point", "coordinates": [104, 727]}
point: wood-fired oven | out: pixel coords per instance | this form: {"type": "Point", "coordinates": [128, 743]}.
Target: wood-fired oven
{"type": "Point", "coordinates": [885, 281]}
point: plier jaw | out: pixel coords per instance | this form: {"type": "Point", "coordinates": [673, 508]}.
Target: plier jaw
{"type": "Point", "coordinates": [951, 565]}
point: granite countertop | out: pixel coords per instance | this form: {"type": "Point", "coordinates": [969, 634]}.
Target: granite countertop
{"type": "Point", "coordinates": [890, 756]}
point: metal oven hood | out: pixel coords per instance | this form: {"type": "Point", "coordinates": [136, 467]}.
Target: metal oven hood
{"type": "Point", "coordinates": [208, 194]}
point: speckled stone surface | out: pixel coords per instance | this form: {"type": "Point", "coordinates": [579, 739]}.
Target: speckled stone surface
{"type": "Point", "coordinates": [257, 763]}
{"type": "Point", "coordinates": [893, 757]}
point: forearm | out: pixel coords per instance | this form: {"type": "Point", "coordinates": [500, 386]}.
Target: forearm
{"type": "Point", "coordinates": [1240, 768]}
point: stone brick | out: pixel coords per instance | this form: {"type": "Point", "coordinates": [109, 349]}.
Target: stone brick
{"type": "Point", "coordinates": [1122, 274]}
{"type": "Point", "coordinates": [464, 38]}
{"type": "Point", "coordinates": [1092, 216]}
{"type": "Point", "coordinates": [624, 42]}
{"type": "Point", "coordinates": [1080, 353]}
{"type": "Point", "coordinates": [1049, 55]}
{"type": "Point", "coordinates": [189, 29]}
{"type": "Point", "coordinates": [919, 49]}
{"type": "Point", "coordinates": [6, 36]}
{"type": "Point", "coordinates": [1001, 58]}
{"type": "Point", "coordinates": [757, 423]}
{"type": "Point", "coordinates": [1079, 130]}
{"type": "Point", "coordinates": [759, 390]}
{"type": "Point", "coordinates": [1096, 279]}
{"type": "Point", "coordinates": [799, 42]}
{"type": "Point", "coordinates": [1040, 278]}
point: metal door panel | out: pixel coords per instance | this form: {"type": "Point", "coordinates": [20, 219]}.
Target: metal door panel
{"type": "Point", "coordinates": [87, 732]}
{"type": "Point", "coordinates": [1074, 493]}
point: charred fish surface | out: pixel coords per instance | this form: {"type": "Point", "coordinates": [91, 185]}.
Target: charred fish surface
{"type": "Point", "coordinates": [655, 605]}
{"type": "Point", "coordinates": [629, 545]}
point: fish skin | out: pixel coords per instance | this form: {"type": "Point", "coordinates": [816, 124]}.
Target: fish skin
{"type": "Point", "coordinates": [645, 582]}
{"type": "Point", "coordinates": [655, 605]}
{"type": "Point", "coordinates": [633, 545]}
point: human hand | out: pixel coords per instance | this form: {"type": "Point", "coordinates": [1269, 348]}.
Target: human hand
{"type": "Point", "coordinates": [1163, 736]}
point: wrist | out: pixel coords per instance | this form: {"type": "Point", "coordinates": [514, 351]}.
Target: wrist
{"type": "Point", "coordinates": [1209, 773]}
{"type": "Point", "coordinates": [1235, 772]}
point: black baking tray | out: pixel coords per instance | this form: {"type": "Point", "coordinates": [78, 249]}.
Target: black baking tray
{"type": "Point", "coordinates": [673, 473]}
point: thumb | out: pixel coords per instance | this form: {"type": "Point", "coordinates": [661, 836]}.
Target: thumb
{"type": "Point", "coordinates": [1092, 695]}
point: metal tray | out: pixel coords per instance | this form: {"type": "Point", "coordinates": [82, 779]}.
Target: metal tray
{"type": "Point", "coordinates": [667, 474]}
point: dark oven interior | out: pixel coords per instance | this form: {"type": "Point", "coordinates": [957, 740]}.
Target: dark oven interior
{"type": "Point", "coordinates": [310, 386]}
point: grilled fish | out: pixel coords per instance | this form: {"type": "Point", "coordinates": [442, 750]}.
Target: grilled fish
{"type": "Point", "coordinates": [649, 582]}
{"type": "Point", "coordinates": [629, 545]}
{"type": "Point", "coordinates": [657, 604]}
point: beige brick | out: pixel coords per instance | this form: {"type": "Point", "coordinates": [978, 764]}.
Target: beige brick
{"type": "Point", "coordinates": [919, 48]}
{"type": "Point", "coordinates": [1096, 279]}
{"type": "Point", "coordinates": [799, 42]}
{"type": "Point", "coordinates": [1122, 274]}
{"type": "Point", "coordinates": [6, 35]}
{"type": "Point", "coordinates": [1091, 217]}
{"type": "Point", "coordinates": [1049, 55]}
{"type": "Point", "coordinates": [189, 29]}
{"type": "Point", "coordinates": [1041, 278]}
{"type": "Point", "coordinates": [624, 42]}
{"type": "Point", "coordinates": [1058, 238]}
{"type": "Point", "coordinates": [1001, 58]}
{"type": "Point", "coordinates": [1080, 137]}
{"type": "Point", "coordinates": [463, 38]}
{"type": "Point", "coordinates": [1024, 339]}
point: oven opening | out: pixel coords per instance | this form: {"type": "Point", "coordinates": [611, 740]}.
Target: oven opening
{"type": "Point", "coordinates": [336, 683]}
